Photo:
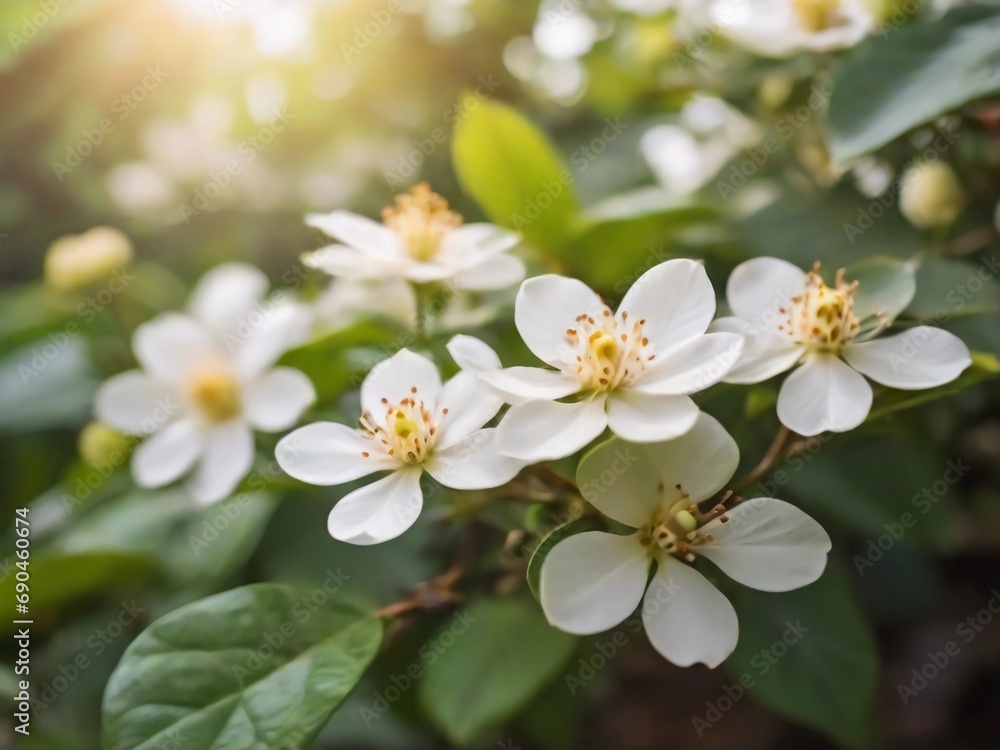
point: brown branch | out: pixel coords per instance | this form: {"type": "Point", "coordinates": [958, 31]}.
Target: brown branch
{"type": "Point", "coordinates": [774, 452]}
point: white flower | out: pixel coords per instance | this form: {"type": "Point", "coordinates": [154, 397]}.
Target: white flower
{"type": "Point", "coordinates": [790, 316]}
{"type": "Point", "coordinates": [778, 28]}
{"type": "Point", "coordinates": [410, 423]}
{"type": "Point", "coordinates": [420, 241]}
{"type": "Point", "coordinates": [207, 381]}
{"type": "Point", "coordinates": [632, 370]}
{"type": "Point", "coordinates": [594, 580]}
{"type": "Point", "coordinates": [345, 300]}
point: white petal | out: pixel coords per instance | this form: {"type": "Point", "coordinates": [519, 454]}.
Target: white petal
{"type": "Point", "coordinates": [498, 272]}
{"type": "Point", "coordinates": [758, 287]}
{"type": "Point", "coordinates": [647, 417]}
{"type": "Point", "coordinates": [348, 263]}
{"type": "Point", "coordinates": [329, 453]}
{"type": "Point", "coordinates": [227, 292]}
{"type": "Point", "coordinates": [627, 481]}
{"type": "Point", "coordinates": [225, 460]}
{"type": "Point", "coordinates": [171, 345]}
{"type": "Point", "coordinates": [547, 430]}
{"type": "Point", "coordinates": [470, 404]}
{"type": "Point", "coordinates": [474, 463]}
{"type": "Point", "coordinates": [823, 394]}
{"type": "Point", "coordinates": [519, 383]}
{"type": "Point", "coordinates": [396, 378]}
{"type": "Point", "coordinates": [687, 619]}
{"type": "Point", "coordinates": [358, 232]}
{"type": "Point", "coordinates": [379, 511]}
{"type": "Point", "coordinates": [676, 300]}
{"type": "Point", "coordinates": [167, 454]}
{"type": "Point", "coordinates": [920, 357]}
{"type": "Point", "coordinates": [473, 354]}
{"type": "Point", "coordinates": [258, 345]}
{"type": "Point", "coordinates": [767, 544]}
{"type": "Point", "coordinates": [619, 480]}
{"type": "Point", "coordinates": [275, 401]}
{"type": "Point", "coordinates": [545, 307]}
{"type": "Point", "coordinates": [136, 404]}
{"type": "Point", "coordinates": [592, 581]}
{"type": "Point", "coordinates": [766, 353]}
{"type": "Point", "coordinates": [344, 300]}
{"type": "Point", "coordinates": [471, 244]}
{"type": "Point", "coordinates": [694, 365]}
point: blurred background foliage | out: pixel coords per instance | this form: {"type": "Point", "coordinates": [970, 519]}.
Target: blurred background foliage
{"type": "Point", "coordinates": [204, 130]}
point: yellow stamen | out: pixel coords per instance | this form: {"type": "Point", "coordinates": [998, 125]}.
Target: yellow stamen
{"type": "Point", "coordinates": [815, 15]}
{"type": "Point", "coordinates": [422, 220]}
{"type": "Point", "coordinates": [216, 393]}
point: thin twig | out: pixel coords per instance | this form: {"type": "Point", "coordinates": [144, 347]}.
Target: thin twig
{"type": "Point", "coordinates": [774, 452]}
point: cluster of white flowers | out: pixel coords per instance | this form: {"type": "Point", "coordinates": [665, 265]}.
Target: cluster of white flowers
{"type": "Point", "coordinates": [209, 379]}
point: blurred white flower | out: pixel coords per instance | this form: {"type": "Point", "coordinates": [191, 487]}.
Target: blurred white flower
{"type": "Point", "coordinates": [345, 300]}
{"type": "Point", "coordinates": [686, 155]}
{"type": "Point", "coordinates": [789, 317]}
{"type": "Point", "coordinates": [594, 580]}
{"type": "Point", "coordinates": [632, 370]}
{"type": "Point", "coordinates": [778, 28]}
{"type": "Point", "coordinates": [207, 381]}
{"type": "Point", "coordinates": [410, 423]}
{"type": "Point", "coordinates": [420, 241]}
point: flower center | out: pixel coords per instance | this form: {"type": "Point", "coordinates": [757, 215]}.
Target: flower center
{"type": "Point", "coordinates": [815, 15]}
{"type": "Point", "coordinates": [606, 352]}
{"type": "Point", "coordinates": [216, 393]}
{"type": "Point", "coordinates": [822, 318]}
{"type": "Point", "coordinates": [421, 219]}
{"type": "Point", "coordinates": [674, 531]}
{"type": "Point", "coordinates": [406, 430]}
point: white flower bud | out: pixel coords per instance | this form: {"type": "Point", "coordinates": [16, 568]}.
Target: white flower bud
{"type": "Point", "coordinates": [79, 260]}
{"type": "Point", "coordinates": [931, 195]}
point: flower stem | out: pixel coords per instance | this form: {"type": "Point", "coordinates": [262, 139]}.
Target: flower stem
{"type": "Point", "coordinates": [774, 452]}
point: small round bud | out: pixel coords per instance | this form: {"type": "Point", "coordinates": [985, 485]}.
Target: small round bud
{"type": "Point", "coordinates": [931, 195]}
{"type": "Point", "coordinates": [775, 90]}
{"type": "Point", "coordinates": [76, 261]}
{"type": "Point", "coordinates": [99, 444]}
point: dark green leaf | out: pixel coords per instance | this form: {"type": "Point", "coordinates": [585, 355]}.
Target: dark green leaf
{"type": "Point", "coordinates": [809, 655]}
{"type": "Point", "coordinates": [248, 668]}
{"type": "Point", "coordinates": [492, 670]}
{"type": "Point", "coordinates": [909, 77]}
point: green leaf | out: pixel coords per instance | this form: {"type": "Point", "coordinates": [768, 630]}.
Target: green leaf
{"type": "Point", "coordinates": [506, 655]}
{"type": "Point", "coordinates": [194, 545]}
{"type": "Point", "coordinates": [60, 579]}
{"type": "Point", "coordinates": [47, 384]}
{"type": "Point", "coordinates": [625, 236]}
{"type": "Point", "coordinates": [508, 166]}
{"type": "Point", "coordinates": [251, 667]}
{"type": "Point", "coordinates": [917, 73]}
{"type": "Point", "coordinates": [883, 479]}
{"type": "Point", "coordinates": [809, 655]}
{"type": "Point", "coordinates": [948, 289]}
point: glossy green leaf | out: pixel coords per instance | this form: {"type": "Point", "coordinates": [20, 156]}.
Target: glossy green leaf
{"type": "Point", "coordinates": [918, 72]}
{"type": "Point", "coordinates": [49, 383]}
{"type": "Point", "coordinates": [808, 655]}
{"type": "Point", "coordinates": [863, 483]}
{"type": "Point", "coordinates": [195, 545]}
{"type": "Point", "coordinates": [948, 288]}
{"type": "Point", "coordinates": [502, 654]}
{"type": "Point", "coordinates": [508, 166]}
{"type": "Point", "coordinates": [885, 285]}
{"type": "Point", "coordinates": [249, 668]}
{"type": "Point", "coordinates": [57, 580]}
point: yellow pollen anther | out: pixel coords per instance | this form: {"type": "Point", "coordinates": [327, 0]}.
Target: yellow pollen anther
{"type": "Point", "coordinates": [822, 317]}
{"type": "Point", "coordinates": [604, 346]}
{"type": "Point", "coordinates": [216, 393]}
{"type": "Point", "coordinates": [686, 521]}
{"type": "Point", "coordinates": [422, 220]}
